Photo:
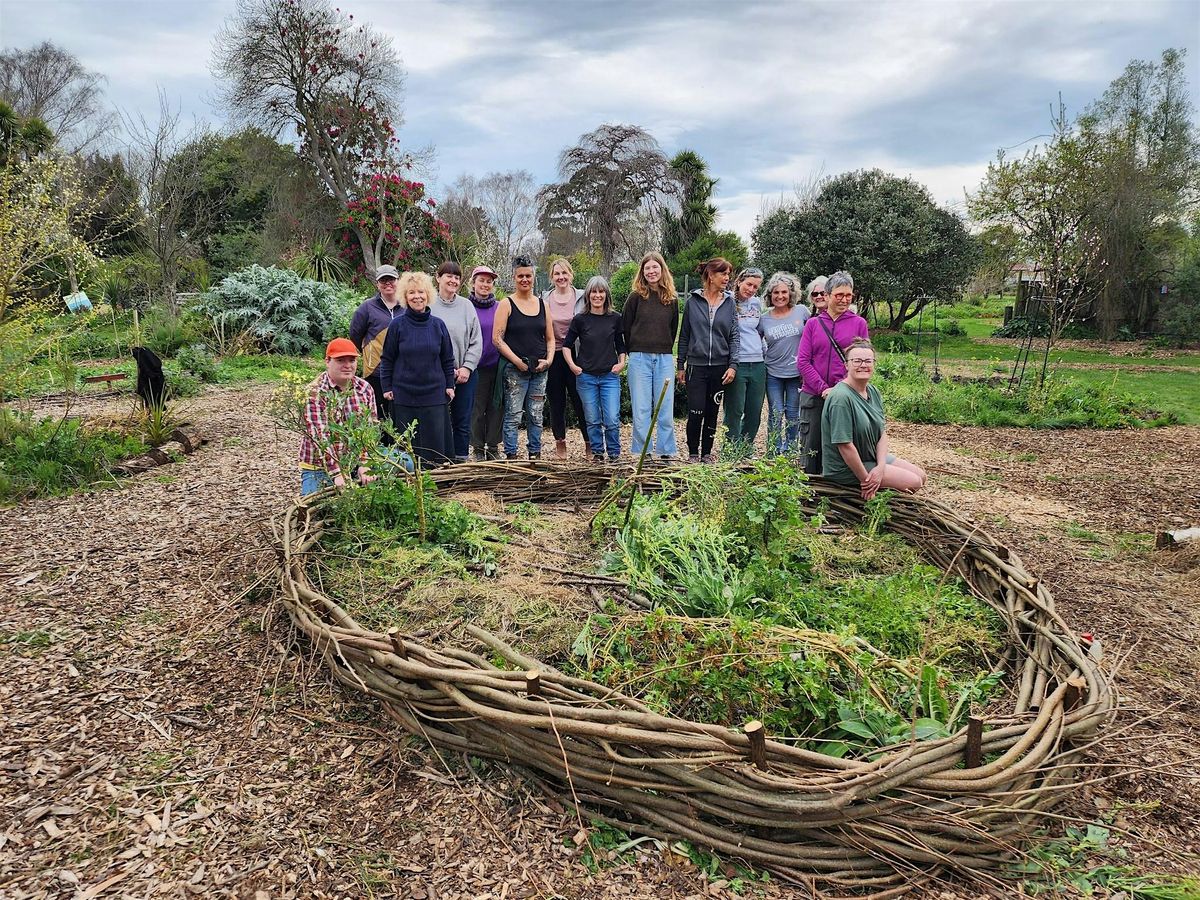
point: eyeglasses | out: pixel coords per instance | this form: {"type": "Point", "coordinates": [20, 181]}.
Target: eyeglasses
{"type": "Point", "coordinates": [861, 363]}
{"type": "Point", "coordinates": [386, 279]}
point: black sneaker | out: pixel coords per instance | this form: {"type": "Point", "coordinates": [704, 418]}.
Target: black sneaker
{"type": "Point", "coordinates": [535, 456]}
{"type": "Point", "coordinates": [597, 457]}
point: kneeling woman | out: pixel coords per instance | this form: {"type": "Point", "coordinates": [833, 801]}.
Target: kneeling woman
{"type": "Point", "coordinates": [417, 372]}
{"type": "Point", "coordinates": [597, 367]}
{"type": "Point", "coordinates": [854, 434]}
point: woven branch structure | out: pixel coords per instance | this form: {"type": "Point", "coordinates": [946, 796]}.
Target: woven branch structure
{"type": "Point", "coordinates": [959, 804]}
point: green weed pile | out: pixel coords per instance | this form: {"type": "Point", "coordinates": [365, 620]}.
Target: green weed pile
{"type": "Point", "coordinates": [845, 641]}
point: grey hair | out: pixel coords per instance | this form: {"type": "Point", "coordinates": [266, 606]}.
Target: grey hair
{"type": "Point", "coordinates": [819, 281]}
{"type": "Point", "coordinates": [837, 280]}
{"type": "Point", "coordinates": [787, 278]}
{"type": "Point", "coordinates": [597, 283]}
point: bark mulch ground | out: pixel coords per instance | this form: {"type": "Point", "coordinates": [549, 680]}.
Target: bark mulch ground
{"type": "Point", "coordinates": [161, 735]}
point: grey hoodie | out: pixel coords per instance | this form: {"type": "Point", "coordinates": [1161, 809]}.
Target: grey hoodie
{"type": "Point", "coordinates": [705, 343]}
{"type": "Point", "coordinates": [463, 324]}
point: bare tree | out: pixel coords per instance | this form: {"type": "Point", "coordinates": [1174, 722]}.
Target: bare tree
{"type": "Point", "coordinates": [48, 83]}
{"type": "Point", "coordinates": [170, 185]}
{"type": "Point", "coordinates": [611, 175]}
{"type": "Point", "coordinates": [304, 65]}
{"type": "Point", "coordinates": [508, 200]}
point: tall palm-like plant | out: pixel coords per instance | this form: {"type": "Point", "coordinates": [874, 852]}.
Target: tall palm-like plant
{"type": "Point", "coordinates": [319, 261]}
{"type": "Point", "coordinates": [697, 213]}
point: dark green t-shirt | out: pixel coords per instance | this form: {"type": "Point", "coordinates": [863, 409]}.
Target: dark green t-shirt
{"type": "Point", "coordinates": [848, 418]}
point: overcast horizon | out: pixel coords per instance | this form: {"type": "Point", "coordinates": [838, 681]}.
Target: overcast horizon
{"type": "Point", "coordinates": [769, 94]}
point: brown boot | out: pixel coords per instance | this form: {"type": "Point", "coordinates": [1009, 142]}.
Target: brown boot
{"type": "Point", "coordinates": [560, 449]}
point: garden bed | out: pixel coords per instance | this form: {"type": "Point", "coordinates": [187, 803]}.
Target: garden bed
{"type": "Point", "coordinates": [861, 814]}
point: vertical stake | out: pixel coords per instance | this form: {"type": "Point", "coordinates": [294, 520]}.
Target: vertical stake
{"type": "Point", "coordinates": [397, 644]}
{"type": "Point", "coordinates": [533, 683]}
{"type": "Point", "coordinates": [974, 742]}
{"type": "Point", "coordinates": [758, 743]}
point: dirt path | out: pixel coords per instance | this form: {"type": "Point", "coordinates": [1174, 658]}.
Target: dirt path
{"type": "Point", "coordinates": [161, 737]}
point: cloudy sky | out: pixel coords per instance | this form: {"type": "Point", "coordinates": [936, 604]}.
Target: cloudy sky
{"type": "Point", "coordinates": [770, 93]}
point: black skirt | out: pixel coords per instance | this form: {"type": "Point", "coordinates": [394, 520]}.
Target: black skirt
{"type": "Point", "coordinates": [433, 440]}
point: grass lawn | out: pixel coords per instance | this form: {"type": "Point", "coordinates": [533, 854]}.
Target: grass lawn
{"type": "Point", "coordinates": [1173, 392]}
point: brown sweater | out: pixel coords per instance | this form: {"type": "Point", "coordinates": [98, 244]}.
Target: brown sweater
{"type": "Point", "coordinates": [649, 326]}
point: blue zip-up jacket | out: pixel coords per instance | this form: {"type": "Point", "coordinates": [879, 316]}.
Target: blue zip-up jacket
{"type": "Point", "coordinates": [704, 343]}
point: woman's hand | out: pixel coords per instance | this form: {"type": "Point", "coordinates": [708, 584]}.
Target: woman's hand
{"type": "Point", "coordinates": [825, 393]}
{"type": "Point", "coordinates": [576, 369]}
{"type": "Point", "coordinates": [461, 375]}
{"type": "Point", "coordinates": [450, 393]}
{"type": "Point", "coordinates": [618, 368]}
{"type": "Point", "coordinates": [870, 484]}
{"type": "Point", "coordinates": [681, 377]}
{"type": "Point", "coordinates": [729, 375]}
{"type": "Point", "coordinates": [387, 395]}
{"type": "Point", "coordinates": [521, 367]}
{"type": "Point", "coordinates": [543, 365]}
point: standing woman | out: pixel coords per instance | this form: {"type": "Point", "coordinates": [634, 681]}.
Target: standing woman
{"type": "Point", "coordinates": [524, 335]}
{"type": "Point", "coordinates": [457, 314]}
{"type": "Point", "coordinates": [821, 359]}
{"type": "Point", "coordinates": [649, 322]}
{"type": "Point", "coordinates": [597, 368]}
{"type": "Point", "coordinates": [488, 413]}
{"type": "Point", "coordinates": [417, 371]}
{"type": "Point", "coordinates": [744, 397]}
{"type": "Point", "coordinates": [855, 433]}
{"type": "Point", "coordinates": [708, 353]}
{"type": "Point", "coordinates": [781, 329]}
{"type": "Point", "coordinates": [564, 303]}
{"type": "Point", "coordinates": [816, 294]}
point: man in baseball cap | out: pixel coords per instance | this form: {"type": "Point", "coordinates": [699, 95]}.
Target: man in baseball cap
{"type": "Point", "coordinates": [333, 397]}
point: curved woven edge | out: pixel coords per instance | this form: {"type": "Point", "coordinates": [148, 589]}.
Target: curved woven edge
{"type": "Point", "coordinates": [913, 811]}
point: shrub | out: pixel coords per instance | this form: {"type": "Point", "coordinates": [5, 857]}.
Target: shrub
{"type": "Point", "coordinates": [166, 334]}
{"type": "Point", "coordinates": [1180, 313]}
{"type": "Point", "coordinates": [891, 342]}
{"type": "Point", "coordinates": [180, 383]}
{"type": "Point", "coordinates": [196, 360]}
{"type": "Point", "coordinates": [622, 283]}
{"type": "Point", "coordinates": [285, 313]}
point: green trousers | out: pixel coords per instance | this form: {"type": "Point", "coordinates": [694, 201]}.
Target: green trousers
{"type": "Point", "coordinates": [744, 402]}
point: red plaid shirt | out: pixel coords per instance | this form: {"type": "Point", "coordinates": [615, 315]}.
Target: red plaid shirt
{"type": "Point", "coordinates": [325, 404]}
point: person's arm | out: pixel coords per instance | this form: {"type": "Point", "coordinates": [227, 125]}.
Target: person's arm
{"type": "Point", "coordinates": [387, 359]}
{"type": "Point", "coordinates": [619, 341]}
{"type": "Point", "coordinates": [448, 361]}
{"type": "Point", "coordinates": [316, 426]}
{"type": "Point", "coordinates": [854, 463]}
{"type": "Point", "coordinates": [499, 325]}
{"type": "Point", "coordinates": [569, 342]}
{"type": "Point", "coordinates": [629, 315]}
{"type": "Point", "coordinates": [685, 336]}
{"type": "Point", "coordinates": [474, 342]}
{"type": "Point", "coordinates": [735, 348]}
{"type": "Point", "coordinates": [544, 362]}
{"type": "Point", "coordinates": [804, 356]}
{"type": "Point", "coordinates": [358, 326]}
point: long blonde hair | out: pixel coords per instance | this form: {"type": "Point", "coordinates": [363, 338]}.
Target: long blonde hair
{"type": "Point", "coordinates": [665, 291]}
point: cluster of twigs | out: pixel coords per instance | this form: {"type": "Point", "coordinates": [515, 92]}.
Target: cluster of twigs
{"type": "Point", "coordinates": [962, 803]}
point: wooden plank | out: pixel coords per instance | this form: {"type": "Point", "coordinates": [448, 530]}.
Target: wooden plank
{"type": "Point", "coordinates": [96, 379]}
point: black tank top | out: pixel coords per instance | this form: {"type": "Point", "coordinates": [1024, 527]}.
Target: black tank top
{"type": "Point", "coordinates": [526, 335]}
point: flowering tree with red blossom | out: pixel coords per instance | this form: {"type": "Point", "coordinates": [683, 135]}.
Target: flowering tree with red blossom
{"type": "Point", "coordinates": [307, 65]}
{"type": "Point", "coordinates": [397, 213]}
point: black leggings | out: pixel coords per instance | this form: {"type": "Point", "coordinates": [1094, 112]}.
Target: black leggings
{"type": "Point", "coordinates": [704, 391]}
{"type": "Point", "coordinates": [560, 384]}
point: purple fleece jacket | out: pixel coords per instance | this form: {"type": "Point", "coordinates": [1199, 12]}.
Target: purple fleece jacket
{"type": "Point", "coordinates": [485, 308]}
{"type": "Point", "coordinates": [816, 360]}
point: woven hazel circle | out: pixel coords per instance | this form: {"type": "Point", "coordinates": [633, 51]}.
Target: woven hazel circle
{"type": "Point", "coordinates": [961, 804]}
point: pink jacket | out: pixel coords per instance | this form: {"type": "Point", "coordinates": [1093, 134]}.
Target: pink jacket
{"type": "Point", "coordinates": [817, 361]}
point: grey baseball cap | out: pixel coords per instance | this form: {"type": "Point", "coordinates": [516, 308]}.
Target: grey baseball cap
{"type": "Point", "coordinates": [386, 272]}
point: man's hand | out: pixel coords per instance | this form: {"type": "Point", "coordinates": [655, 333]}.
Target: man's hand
{"type": "Point", "coordinates": [729, 375]}
{"type": "Point", "coordinates": [339, 480]}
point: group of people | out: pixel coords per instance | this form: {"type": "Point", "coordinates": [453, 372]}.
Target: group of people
{"type": "Point", "coordinates": [459, 373]}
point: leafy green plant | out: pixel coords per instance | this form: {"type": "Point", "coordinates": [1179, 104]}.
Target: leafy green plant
{"type": "Point", "coordinates": [196, 360]}
{"type": "Point", "coordinates": [285, 312]}
{"type": "Point", "coordinates": [319, 261]}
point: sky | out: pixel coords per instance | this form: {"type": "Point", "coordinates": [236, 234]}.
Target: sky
{"type": "Point", "coordinates": [771, 94]}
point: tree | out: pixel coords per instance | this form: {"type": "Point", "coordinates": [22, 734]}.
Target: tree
{"type": "Point", "coordinates": [725, 244]}
{"type": "Point", "coordinates": [697, 213]}
{"type": "Point", "coordinates": [409, 235]}
{"type": "Point", "coordinates": [607, 179]}
{"type": "Point", "coordinates": [998, 249]}
{"type": "Point", "coordinates": [902, 249]}
{"type": "Point", "coordinates": [508, 201]}
{"type": "Point", "coordinates": [48, 83]}
{"type": "Point", "coordinates": [171, 189]}
{"type": "Point", "coordinates": [305, 65]}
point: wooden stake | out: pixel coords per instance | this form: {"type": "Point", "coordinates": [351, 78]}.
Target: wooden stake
{"type": "Point", "coordinates": [758, 743]}
{"type": "Point", "coordinates": [533, 683]}
{"type": "Point", "coordinates": [397, 643]}
{"type": "Point", "coordinates": [1073, 693]}
{"type": "Point", "coordinates": [974, 742]}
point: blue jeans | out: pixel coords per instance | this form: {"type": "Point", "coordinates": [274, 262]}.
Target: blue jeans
{"type": "Point", "coordinates": [312, 480]}
{"type": "Point", "coordinates": [783, 403]}
{"type": "Point", "coordinates": [523, 393]}
{"type": "Point", "coordinates": [647, 372]}
{"type": "Point", "coordinates": [461, 408]}
{"type": "Point", "coordinates": [601, 396]}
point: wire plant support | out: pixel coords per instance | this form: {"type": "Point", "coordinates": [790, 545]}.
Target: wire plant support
{"type": "Point", "coordinates": [963, 804]}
